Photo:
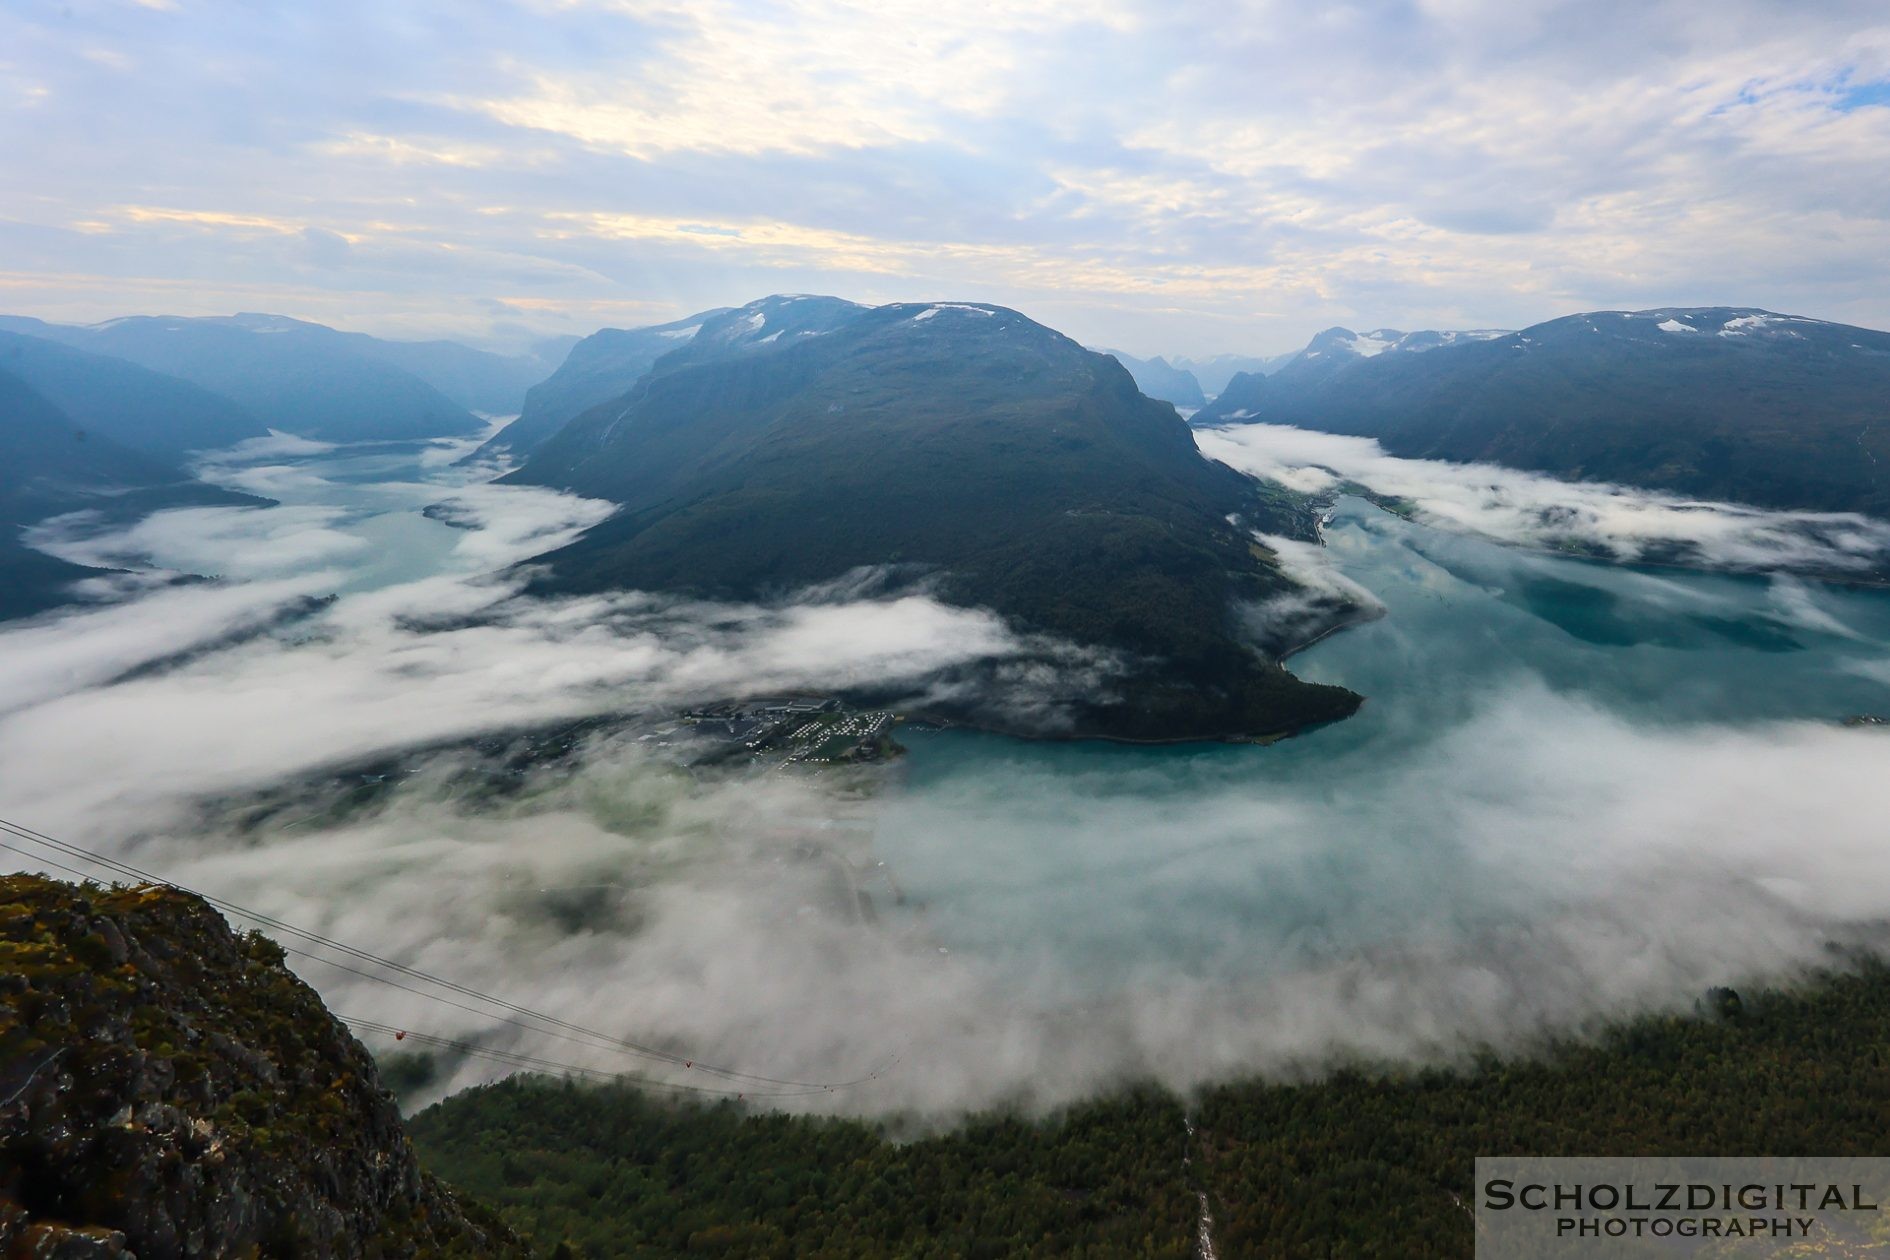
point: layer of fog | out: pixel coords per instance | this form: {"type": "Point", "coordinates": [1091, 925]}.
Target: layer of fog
{"type": "Point", "coordinates": [1536, 864]}
{"type": "Point", "coordinates": [1528, 509]}
{"type": "Point", "coordinates": [1540, 867]}
{"type": "Point", "coordinates": [1321, 601]}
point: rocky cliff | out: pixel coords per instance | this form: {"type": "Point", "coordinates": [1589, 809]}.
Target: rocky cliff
{"type": "Point", "coordinates": [169, 1089]}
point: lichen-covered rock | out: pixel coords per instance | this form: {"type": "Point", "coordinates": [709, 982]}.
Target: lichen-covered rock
{"type": "Point", "coordinates": [168, 1089]}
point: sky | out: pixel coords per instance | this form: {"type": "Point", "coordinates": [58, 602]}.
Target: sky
{"type": "Point", "coordinates": [1177, 177]}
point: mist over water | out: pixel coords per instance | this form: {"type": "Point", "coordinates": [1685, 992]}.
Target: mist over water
{"type": "Point", "coordinates": [1527, 718]}
{"type": "Point", "coordinates": [1575, 790]}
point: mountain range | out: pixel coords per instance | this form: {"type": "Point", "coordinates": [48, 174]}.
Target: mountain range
{"type": "Point", "coordinates": [106, 418]}
{"type": "Point", "coordinates": [305, 378]}
{"type": "Point", "coordinates": [595, 370]}
{"type": "Point", "coordinates": [1213, 374]}
{"type": "Point", "coordinates": [1160, 379]}
{"type": "Point", "coordinates": [960, 446]}
{"type": "Point", "coordinates": [899, 421]}
{"type": "Point", "coordinates": [133, 406]}
{"type": "Point", "coordinates": [1728, 403]}
{"type": "Point", "coordinates": [52, 465]}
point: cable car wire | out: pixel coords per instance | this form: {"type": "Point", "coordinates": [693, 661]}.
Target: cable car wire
{"type": "Point", "coordinates": [516, 1014]}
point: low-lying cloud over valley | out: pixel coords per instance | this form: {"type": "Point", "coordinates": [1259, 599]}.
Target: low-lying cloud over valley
{"type": "Point", "coordinates": [1497, 848]}
{"type": "Point", "coordinates": [1531, 510]}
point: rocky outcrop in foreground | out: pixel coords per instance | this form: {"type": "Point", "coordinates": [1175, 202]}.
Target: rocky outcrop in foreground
{"type": "Point", "coordinates": [168, 1090]}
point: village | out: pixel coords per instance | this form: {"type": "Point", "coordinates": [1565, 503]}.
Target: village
{"type": "Point", "coordinates": [813, 729]}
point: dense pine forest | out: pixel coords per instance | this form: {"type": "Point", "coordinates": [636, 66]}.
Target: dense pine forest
{"type": "Point", "coordinates": [1359, 1164]}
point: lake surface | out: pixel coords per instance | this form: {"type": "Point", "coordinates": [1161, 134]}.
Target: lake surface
{"type": "Point", "coordinates": [378, 493]}
{"type": "Point", "coordinates": [1498, 684]}
{"type": "Point", "coordinates": [1574, 790]}
{"type": "Point", "coordinates": [1492, 670]}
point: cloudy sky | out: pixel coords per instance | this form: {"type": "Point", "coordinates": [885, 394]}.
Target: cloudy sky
{"type": "Point", "coordinates": [1182, 177]}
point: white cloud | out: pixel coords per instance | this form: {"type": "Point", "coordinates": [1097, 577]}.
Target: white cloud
{"type": "Point", "coordinates": [1506, 505]}
{"type": "Point", "coordinates": [212, 541]}
{"type": "Point", "coordinates": [1179, 179]}
{"type": "Point", "coordinates": [802, 77]}
{"type": "Point", "coordinates": [1532, 867]}
{"type": "Point", "coordinates": [1508, 862]}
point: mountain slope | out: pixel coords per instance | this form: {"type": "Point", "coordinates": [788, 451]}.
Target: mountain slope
{"type": "Point", "coordinates": [51, 465]}
{"type": "Point", "coordinates": [1720, 402]}
{"type": "Point", "coordinates": [795, 440]}
{"type": "Point", "coordinates": [1214, 373]}
{"type": "Point", "coordinates": [171, 1089]}
{"type": "Point", "coordinates": [1159, 379]}
{"type": "Point", "coordinates": [133, 406]}
{"type": "Point", "coordinates": [1333, 350]}
{"type": "Point", "coordinates": [477, 380]}
{"type": "Point", "coordinates": [597, 369]}
{"type": "Point", "coordinates": [305, 378]}
{"type": "Point", "coordinates": [1241, 401]}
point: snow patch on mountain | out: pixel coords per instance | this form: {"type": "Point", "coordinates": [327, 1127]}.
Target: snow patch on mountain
{"type": "Point", "coordinates": [936, 307]}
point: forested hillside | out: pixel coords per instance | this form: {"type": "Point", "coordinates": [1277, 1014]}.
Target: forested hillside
{"type": "Point", "coordinates": [799, 439]}
{"type": "Point", "coordinates": [1364, 1164]}
{"type": "Point", "coordinates": [50, 465]}
{"type": "Point", "coordinates": [1720, 402]}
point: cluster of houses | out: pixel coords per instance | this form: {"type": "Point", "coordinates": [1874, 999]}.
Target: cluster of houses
{"type": "Point", "coordinates": [755, 722]}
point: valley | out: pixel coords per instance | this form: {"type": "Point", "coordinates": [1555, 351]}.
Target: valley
{"type": "Point", "coordinates": [636, 630]}
{"type": "Point", "coordinates": [1090, 860]}
{"type": "Point", "coordinates": [698, 812]}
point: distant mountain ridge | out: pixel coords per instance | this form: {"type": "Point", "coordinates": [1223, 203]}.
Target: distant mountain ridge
{"type": "Point", "coordinates": [1328, 351]}
{"type": "Point", "coordinates": [1731, 403]}
{"type": "Point", "coordinates": [1329, 348]}
{"type": "Point", "coordinates": [49, 465]}
{"type": "Point", "coordinates": [109, 397]}
{"type": "Point", "coordinates": [799, 439]}
{"type": "Point", "coordinates": [306, 378]}
{"type": "Point", "coordinates": [596, 369]}
{"type": "Point", "coordinates": [1213, 373]}
{"type": "Point", "coordinates": [1158, 378]}
{"type": "Point", "coordinates": [478, 380]}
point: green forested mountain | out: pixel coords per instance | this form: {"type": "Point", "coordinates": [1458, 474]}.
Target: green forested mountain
{"type": "Point", "coordinates": [1719, 402]}
{"type": "Point", "coordinates": [1367, 1164]}
{"type": "Point", "coordinates": [305, 378]}
{"type": "Point", "coordinates": [597, 369]}
{"type": "Point", "coordinates": [50, 464]}
{"type": "Point", "coordinates": [797, 439]}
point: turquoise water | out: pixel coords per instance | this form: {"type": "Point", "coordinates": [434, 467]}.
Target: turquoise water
{"type": "Point", "coordinates": [1467, 617]}
{"type": "Point", "coordinates": [1508, 694]}
{"type": "Point", "coordinates": [377, 492]}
